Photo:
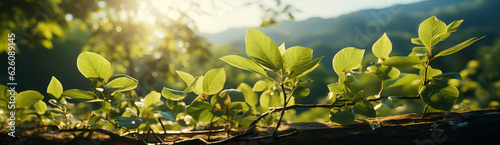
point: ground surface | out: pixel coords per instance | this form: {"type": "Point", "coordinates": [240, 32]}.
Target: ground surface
{"type": "Point", "coordinates": [465, 127]}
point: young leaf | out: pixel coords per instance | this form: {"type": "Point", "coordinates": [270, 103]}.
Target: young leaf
{"type": "Point", "coordinates": [202, 111]}
{"type": "Point", "coordinates": [260, 86]}
{"type": "Point", "coordinates": [270, 99]}
{"type": "Point", "coordinates": [431, 72]}
{"type": "Point", "coordinates": [282, 48]}
{"type": "Point", "coordinates": [402, 61]}
{"type": "Point", "coordinates": [302, 70]}
{"type": "Point", "coordinates": [296, 56]}
{"type": "Point", "coordinates": [172, 94]}
{"type": "Point", "coordinates": [301, 92]}
{"type": "Point", "coordinates": [244, 63]}
{"type": "Point", "coordinates": [347, 59]}
{"type": "Point", "coordinates": [420, 51]}
{"type": "Point", "coordinates": [250, 96]}
{"type": "Point", "coordinates": [382, 47]}
{"type": "Point", "coordinates": [430, 31]}
{"type": "Point", "coordinates": [41, 107]}
{"type": "Point", "coordinates": [55, 88]}
{"type": "Point", "coordinates": [121, 84]}
{"type": "Point", "coordinates": [405, 80]}
{"type": "Point", "coordinates": [364, 108]}
{"type": "Point", "coordinates": [129, 122]}
{"type": "Point", "coordinates": [92, 65]}
{"type": "Point", "coordinates": [336, 88]}
{"type": "Point", "coordinates": [384, 72]}
{"type": "Point", "coordinates": [263, 50]}
{"type": "Point", "coordinates": [214, 80]}
{"type": "Point", "coordinates": [439, 97]}
{"type": "Point", "coordinates": [341, 116]}
{"type": "Point", "coordinates": [198, 88]}
{"type": "Point", "coordinates": [79, 95]}
{"type": "Point", "coordinates": [450, 75]}
{"type": "Point", "coordinates": [416, 41]}
{"type": "Point", "coordinates": [27, 98]}
{"type": "Point", "coordinates": [458, 47]}
{"type": "Point", "coordinates": [192, 86]}
{"type": "Point", "coordinates": [186, 77]}
{"type": "Point", "coordinates": [152, 98]}
{"type": "Point", "coordinates": [453, 26]}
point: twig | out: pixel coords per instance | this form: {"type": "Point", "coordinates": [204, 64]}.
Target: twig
{"type": "Point", "coordinates": [164, 131]}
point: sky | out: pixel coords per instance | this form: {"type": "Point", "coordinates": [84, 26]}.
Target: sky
{"type": "Point", "coordinates": [225, 14]}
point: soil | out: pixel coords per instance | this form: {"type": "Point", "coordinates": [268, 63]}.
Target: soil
{"type": "Point", "coordinates": [464, 127]}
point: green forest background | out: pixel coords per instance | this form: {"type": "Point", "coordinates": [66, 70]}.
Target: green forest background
{"type": "Point", "coordinates": [153, 62]}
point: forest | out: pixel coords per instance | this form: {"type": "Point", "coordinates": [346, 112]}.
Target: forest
{"type": "Point", "coordinates": [146, 72]}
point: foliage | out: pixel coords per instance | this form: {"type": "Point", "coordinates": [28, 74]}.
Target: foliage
{"type": "Point", "coordinates": [113, 103]}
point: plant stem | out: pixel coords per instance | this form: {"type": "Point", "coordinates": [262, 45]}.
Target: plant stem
{"type": "Point", "coordinates": [425, 110]}
{"type": "Point", "coordinates": [165, 131]}
{"type": "Point", "coordinates": [283, 111]}
{"type": "Point", "coordinates": [210, 127]}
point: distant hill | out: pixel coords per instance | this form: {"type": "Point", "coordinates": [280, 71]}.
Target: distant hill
{"type": "Point", "coordinates": [360, 29]}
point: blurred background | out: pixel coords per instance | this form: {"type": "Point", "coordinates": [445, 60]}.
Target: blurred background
{"type": "Point", "coordinates": [150, 39]}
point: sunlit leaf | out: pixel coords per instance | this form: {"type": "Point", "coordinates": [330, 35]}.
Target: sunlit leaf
{"type": "Point", "coordinates": [121, 84]}
{"type": "Point", "coordinates": [347, 59]}
{"type": "Point", "coordinates": [214, 80]}
{"type": "Point", "coordinates": [244, 63]}
{"type": "Point", "coordinates": [302, 70]}
{"type": "Point", "coordinates": [263, 50]}
{"type": "Point", "coordinates": [203, 111]}
{"type": "Point", "coordinates": [430, 30]}
{"type": "Point", "coordinates": [79, 95]}
{"type": "Point", "coordinates": [301, 92]}
{"type": "Point", "coordinates": [27, 98]}
{"type": "Point", "coordinates": [336, 88]}
{"type": "Point", "coordinates": [92, 65]}
{"type": "Point", "coordinates": [259, 86]}
{"type": "Point", "coordinates": [364, 108]}
{"type": "Point", "coordinates": [186, 77]}
{"type": "Point", "coordinates": [40, 107]}
{"type": "Point", "coordinates": [458, 47]}
{"type": "Point", "coordinates": [171, 94]}
{"type": "Point", "coordinates": [450, 75]}
{"type": "Point", "coordinates": [382, 47]}
{"type": "Point", "coordinates": [402, 61]}
{"type": "Point", "coordinates": [270, 98]}
{"type": "Point", "coordinates": [152, 98]}
{"type": "Point", "coordinates": [250, 96]}
{"type": "Point", "coordinates": [405, 80]}
{"type": "Point", "coordinates": [384, 72]}
{"type": "Point", "coordinates": [55, 88]}
{"type": "Point", "coordinates": [296, 56]}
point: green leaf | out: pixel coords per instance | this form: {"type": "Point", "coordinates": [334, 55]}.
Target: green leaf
{"type": "Point", "coordinates": [27, 98]}
{"type": "Point", "coordinates": [263, 50]}
{"type": "Point", "coordinates": [121, 84]}
{"type": "Point", "coordinates": [170, 103]}
{"type": "Point", "coordinates": [430, 31]}
{"type": "Point", "coordinates": [260, 86]}
{"type": "Point", "coordinates": [416, 41]}
{"type": "Point", "coordinates": [439, 97]}
{"type": "Point", "coordinates": [347, 59]}
{"type": "Point", "coordinates": [453, 26]}
{"type": "Point", "coordinates": [250, 96]}
{"type": "Point", "coordinates": [458, 47]}
{"type": "Point", "coordinates": [198, 88]}
{"type": "Point", "coordinates": [41, 107]}
{"type": "Point", "coordinates": [152, 98]}
{"type": "Point", "coordinates": [384, 72]}
{"type": "Point", "coordinates": [296, 56]}
{"type": "Point", "coordinates": [79, 95]}
{"type": "Point", "coordinates": [173, 95]}
{"type": "Point", "coordinates": [203, 111]}
{"type": "Point", "coordinates": [192, 86]}
{"type": "Point", "coordinates": [450, 75]}
{"type": "Point", "coordinates": [364, 108]}
{"type": "Point", "coordinates": [302, 70]}
{"type": "Point", "coordinates": [235, 95]}
{"type": "Point", "coordinates": [168, 115]}
{"type": "Point", "coordinates": [130, 122]}
{"type": "Point", "coordinates": [99, 104]}
{"type": "Point", "coordinates": [341, 116]}
{"type": "Point", "coordinates": [336, 88]}
{"type": "Point", "coordinates": [382, 47]}
{"type": "Point", "coordinates": [92, 65]}
{"type": "Point", "coordinates": [186, 77]}
{"type": "Point", "coordinates": [270, 98]}
{"type": "Point", "coordinates": [301, 92]}
{"type": "Point", "coordinates": [402, 61]}
{"type": "Point", "coordinates": [214, 80]}
{"type": "Point", "coordinates": [406, 79]}
{"type": "Point", "coordinates": [55, 88]}
{"type": "Point", "coordinates": [431, 72]}
{"type": "Point", "coordinates": [390, 103]}
{"type": "Point", "coordinates": [282, 48]}
{"type": "Point", "coordinates": [244, 63]}
{"type": "Point", "coordinates": [420, 51]}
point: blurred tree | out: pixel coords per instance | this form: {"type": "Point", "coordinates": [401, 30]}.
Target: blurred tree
{"type": "Point", "coordinates": [146, 39]}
